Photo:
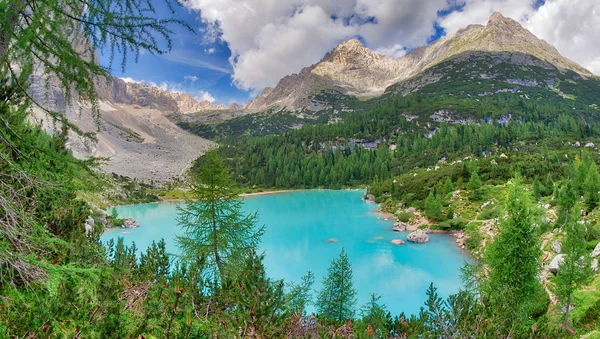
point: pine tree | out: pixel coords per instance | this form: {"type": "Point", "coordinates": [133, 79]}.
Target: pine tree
{"type": "Point", "coordinates": [214, 226]}
{"type": "Point", "coordinates": [300, 295]}
{"type": "Point", "coordinates": [448, 186]}
{"type": "Point", "coordinates": [433, 207]}
{"type": "Point", "coordinates": [513, 262]}
{"type": "Point", "coordinates": [591, 187]}
{"type": "Point", "coordinates": [474, 181]}
{"type": "Point", "coordinates": [576, 267]}
{"type": "Point", "coordinates": [337, 298]}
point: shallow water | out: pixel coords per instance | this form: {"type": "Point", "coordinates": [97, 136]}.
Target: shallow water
{"type": "Point", "coordinates": [298, 226]}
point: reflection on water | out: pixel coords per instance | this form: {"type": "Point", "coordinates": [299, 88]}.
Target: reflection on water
{"type": "Point", "coordinates": [305, 230]}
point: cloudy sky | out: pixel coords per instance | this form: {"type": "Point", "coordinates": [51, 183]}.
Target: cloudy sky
{"type": "Point", "coordinates": [242, 46]}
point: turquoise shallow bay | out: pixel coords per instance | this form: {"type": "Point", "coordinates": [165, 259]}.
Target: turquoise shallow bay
{"type": "Point", "coordinates": [297, 227]}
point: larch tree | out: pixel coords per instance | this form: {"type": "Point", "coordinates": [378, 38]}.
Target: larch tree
{"type": "Point", "coordinates": [575, 270]}
{"type": "Point", "coordinates": [512, 262]}
{"type": "Point", "coordinates": [337, 298]}
{"type": "Point", "coordinates": [214, 226]}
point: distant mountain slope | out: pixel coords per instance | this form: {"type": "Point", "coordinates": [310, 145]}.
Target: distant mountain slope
{"type": "Point", "coordinates": [353, 69]}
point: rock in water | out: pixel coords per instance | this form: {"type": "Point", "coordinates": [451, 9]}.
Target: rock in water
{"type": "Point", "coordinates": [400, 227]}
{"type": "Point", "coordinates": [555, 263]}
{"type": "Point", "coordinates": [398, 242]}
{"type": "Point", "coordinates": [556, 246]}
{"type": "Point", "coordinates": [130, 223]}
{"type": "Point", "coordinates": [418, 237]}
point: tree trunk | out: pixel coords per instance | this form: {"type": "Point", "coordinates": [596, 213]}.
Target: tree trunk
{"type": "Point", "coordinates": [567, 310]}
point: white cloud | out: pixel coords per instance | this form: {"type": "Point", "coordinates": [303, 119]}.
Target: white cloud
{"type": "Point", "coordinates": [270, 39]}
{"type": "Point", "coordinates": [210, 50]}
{"type": "Point", "coordinates": [191, 78]}
{"type": "Point", "coordinates": [130, 80]}
{"type": "Point", "coordinates": [204, 96]}
{"type": "Point", "coordinates": [395, 51]}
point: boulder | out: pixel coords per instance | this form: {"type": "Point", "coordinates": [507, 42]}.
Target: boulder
{"type": "Point", "coordinates": [556, 246]}
{"type": "Point", "coordinates": [89, 225]}
{"type": "Point", "coordinates": [590, 144]}
{"type": "Point", "coordinates": [411, 210]}
{"type": "Point", "coordinates": [130, 223]}
{"type": "Point", "coordinates": [595, 265]}
{"type": "Point", "coordinates": [400, 227]}
{"type": "Point", "coordinates": [596, 251]}
{"type": "Point", "coordinates": [370, 198]}
{"type": "Point", "coordinates": [398, 242]}
{"type": "Point", "coordinates": [418, 237]}
{"type": "Point", "coordinates": [555, 263]}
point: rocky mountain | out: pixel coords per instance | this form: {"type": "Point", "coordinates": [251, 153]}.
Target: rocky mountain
{"type": "Point", "coordinates": [352, 69]}
{"type": "Point", "coordinates": [140, 94]}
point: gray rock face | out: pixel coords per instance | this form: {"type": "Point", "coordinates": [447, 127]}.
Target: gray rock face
{"type": "Point", "coordinates": [130, 223]}
{"type": "Point", "coordinates": [595, 265]}
{"type": "Point", "coordinates": [556, 246]}
{"type": "Point", "coordinates": [418, 237]}
{"type": "Point", "coordinates": [555, 263]}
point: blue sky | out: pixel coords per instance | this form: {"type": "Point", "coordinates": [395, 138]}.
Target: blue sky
{"type": "Point", "coordinates": [273, 39]}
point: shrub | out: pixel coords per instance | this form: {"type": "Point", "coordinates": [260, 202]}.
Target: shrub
{"type": "Point", "coordinates": [404, 216]}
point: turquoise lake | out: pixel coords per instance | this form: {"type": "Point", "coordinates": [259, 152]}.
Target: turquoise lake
{"type": "Point", "coordinates": [298, 226]}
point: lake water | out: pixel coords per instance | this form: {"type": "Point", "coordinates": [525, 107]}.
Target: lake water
{"type": "Point", "coordinates": [298, 226]}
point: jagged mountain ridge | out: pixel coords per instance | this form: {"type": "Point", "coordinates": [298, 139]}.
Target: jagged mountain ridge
{"type": "Point", "coordinates": [118, 91]}
{"type": "Point", "coordinates": [353, 69]}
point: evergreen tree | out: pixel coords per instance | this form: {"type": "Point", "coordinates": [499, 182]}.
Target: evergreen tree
{"type": "Point", "coordinates": [448, 186]}
{"type": "Point", "coordinates": [474, 181]}
{"type": "Point", "coordinates": [591, 187]}
{"type": "Point", "coordinates": [513, 263]}
{"type": "Point", "coordinates": [433, 207]}
{"type": "Point", "coordinates": [576, 267]}
{"type": "Point", "coordinates": [337, 298]}
{"type": "Point", "coordinates": [214, 226]}
{"type": "Point", "coordinates": [300, 295]}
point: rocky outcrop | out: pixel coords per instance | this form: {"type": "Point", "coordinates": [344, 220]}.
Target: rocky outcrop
{"type": "Point", "coordinates": [400, 227]}
{"type": "Point", "coordinates": [398, 242]}
{"type": "Point", "coordinates": [418, 237]}
{"type": "Point", "coordinates": [555, 263]}
{"type": "Point", "coordinates": [130, 223]}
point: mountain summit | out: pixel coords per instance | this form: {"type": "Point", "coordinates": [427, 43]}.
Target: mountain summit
{"type": "Point", "coordinates": [350, 68]}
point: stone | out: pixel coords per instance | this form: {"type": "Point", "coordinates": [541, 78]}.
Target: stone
{"type": "Point", "coordinates": [398, 242]}
{"type": "Point", "coordinates": [400, 227]}
{"type": "Point", "coordinates": [503, 155]}
{"type": "Point", "coordinates": [130, 223]}
{"type": "Point", "coordinates": [418, 237]}
{"type": "Point", "coordinates": [577, 144]}
{"type": "Point", "coordinates": [332, 240]}
{"type": "Point", "coordinates": [595, 265]}
{"type": "Point", "coordinates": [596, 251]}
{"type": "Point", "coordinates": [555, 263]}
{"type": "Point", "coordinates": [370, 198]}
{"type": "Point", "coordinates": [590, 144]}
{"type": "Point", "coordinates": [411, 210]}
{"type": "Point", "coordinates": [556, 246]}
{"type": "Point", "coordinates": [89, 225]}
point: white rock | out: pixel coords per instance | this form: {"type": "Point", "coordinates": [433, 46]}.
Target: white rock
{"type": "Point", "coordinates": [590, 144]}
{"type": "Point", "coordinates": [556, 246]}
{"type": "Point", "coordinates": [503, 155]}
{"type": "Point", "coordinates": [555, 263]}
{"type": "Point", "coordinates": [398, 242]}
{"type": "Point", "coordinates": [596, 251]}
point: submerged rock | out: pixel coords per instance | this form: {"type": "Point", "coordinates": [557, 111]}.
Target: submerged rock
{"type": "Point", "coordinates": [418, 237]}
{"type": "Point", "coordinates": [130, 223]}
{"type": "Point", "coordinates": [398, 242]}
{"type": "Point", "coordinates": [555, 263]}
{"type": "Point", "coordinates": [332, 240]}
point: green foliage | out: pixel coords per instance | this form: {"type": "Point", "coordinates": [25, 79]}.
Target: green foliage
{"type": "Point", "coordinates": [513, 263]}
{"type": "Point", "coordinates": [300, 295]}
{"type": "Point", "coordinates": [214, 225]}
{"type": "Point", "coordinates": [404, 216]}
{"type": "Point", "coordinates": [592, 187]}
{"type": "Point", "coordinates": [433, 208]}
{"type": "Point", "coordinates": [337, 298]}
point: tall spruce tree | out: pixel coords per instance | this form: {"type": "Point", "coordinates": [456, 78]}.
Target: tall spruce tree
{"type": "Point", "coordinates": [513, 263]}
{"type": "Point", "coordinates": [337, 298]}
{"type": "Point", "coordinates": [214, 226]}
